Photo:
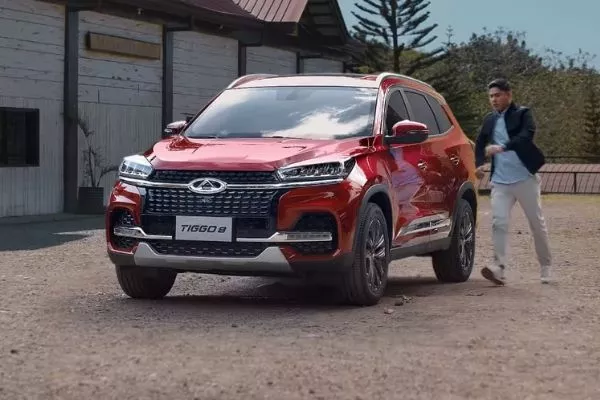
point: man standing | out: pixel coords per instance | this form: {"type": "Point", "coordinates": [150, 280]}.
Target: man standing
{"type": "Point", "coordinates": [507, 137]}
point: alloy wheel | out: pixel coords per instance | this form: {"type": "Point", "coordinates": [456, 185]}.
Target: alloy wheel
{"type": "Point", "coordinates": [375, 255]}
{"type": "Point", "coordinates": [466, 242]}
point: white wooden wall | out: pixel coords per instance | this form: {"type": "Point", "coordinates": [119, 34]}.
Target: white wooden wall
{"type": "Point", "coordinates": [31, 76]}
{"type": "Point", "coordinates": [203, 65]}
{"type": "Point", "coordinates": [317, 65]}
{"type": "Point", "coordinates": [270, 60]}
{"type": "Point", "coordinates": [120, 97]}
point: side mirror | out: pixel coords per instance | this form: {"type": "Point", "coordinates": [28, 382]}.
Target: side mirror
{"type": "Point", "coordinates": [174, 128]}
{"type": "Point", "coordinates": [407, 132]}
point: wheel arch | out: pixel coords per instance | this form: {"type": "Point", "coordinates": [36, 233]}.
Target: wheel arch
{"type": "Point", "coordinates": [379, 195]}
{"type": "Point", "coordinates": [466, 192]}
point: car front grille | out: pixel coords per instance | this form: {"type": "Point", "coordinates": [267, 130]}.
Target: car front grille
{"type": "Point", "coordinates": [231, 177]}
{"type": "Point", "coordinates": [234, 203]}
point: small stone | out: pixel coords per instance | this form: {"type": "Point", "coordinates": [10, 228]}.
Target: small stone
{"type": "Point", "coordinates": [388, 311]}
{"type": "Point", "coordinates": [234, 325]}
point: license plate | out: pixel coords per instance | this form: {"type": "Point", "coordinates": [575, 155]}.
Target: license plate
{"type": "Point", "coordinates": [206, 229]}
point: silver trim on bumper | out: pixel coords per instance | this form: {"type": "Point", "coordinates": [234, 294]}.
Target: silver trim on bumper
{"type": "Point", "coordinates": [270, 260]}
{"type": "Point", "coordinates": [278, 237]}
{"type": "Point", "coordinates": [291, 237]}
{"type": "Point", "coordinates": [137, 233]}
{"type": "Point", "coordinates": [437, 222]}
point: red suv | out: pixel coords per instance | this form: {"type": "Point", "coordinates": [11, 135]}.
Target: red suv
{"type": "Point", "coordinates": [316, 176]}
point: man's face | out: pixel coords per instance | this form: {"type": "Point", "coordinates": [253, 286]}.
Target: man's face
{"type": "Point", "coordinates": [499, 99]}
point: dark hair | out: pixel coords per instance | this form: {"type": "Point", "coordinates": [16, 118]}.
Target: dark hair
{"type": "Point", "coordinates": [501, 84]}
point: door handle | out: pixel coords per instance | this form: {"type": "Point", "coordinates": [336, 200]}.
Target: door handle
{"type": "Point", "coordinates": [454, 159]}
{"type": "Point", "coordinates": [422, 164]}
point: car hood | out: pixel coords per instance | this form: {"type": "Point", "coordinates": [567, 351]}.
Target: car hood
{"type": "Point", "coordinates": [262, 154]}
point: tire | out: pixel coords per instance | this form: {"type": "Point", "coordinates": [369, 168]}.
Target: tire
{"type": "Point", "coordinates": [363, 285]}
{"type": "Point", "coordinates": [145, 283]}
{"type": "Point", "coordinates": [456, 263]}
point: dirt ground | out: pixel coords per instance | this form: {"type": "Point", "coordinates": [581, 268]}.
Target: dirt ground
{"type": "Point", "coordinates": [68, 332]}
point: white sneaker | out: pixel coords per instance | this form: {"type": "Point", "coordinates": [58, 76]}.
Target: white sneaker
{"type": "Point", "coordinates": [494, 273]}
{"type": "Point", "coordinates": [545, 274]}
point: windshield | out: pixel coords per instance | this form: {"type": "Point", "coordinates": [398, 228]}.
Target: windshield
{"type": "Point", "coordinates": [305, 112]}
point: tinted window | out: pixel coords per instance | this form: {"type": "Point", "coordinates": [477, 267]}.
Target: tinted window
{"type": "Point", "coordinates": [396, 111]}
{"type": "Point", "coordinates": [422, 112]}
{"type": "Point", "coordinates": [294, 112]}
{"type": "Point", "coordinates": [440, 115]}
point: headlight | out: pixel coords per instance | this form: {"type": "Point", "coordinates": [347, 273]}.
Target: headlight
{"type": "Point", "coordinates": [330, 170]}
{"type": "Point", "coordinates": [136, 166]}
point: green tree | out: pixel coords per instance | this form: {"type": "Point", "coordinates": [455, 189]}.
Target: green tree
{"type": "Point", "coordinates": [591, 127]}
{"type": "Point", "coordinates": [398, 26]}
{"type": "Point", "coordinates": [447, 78]}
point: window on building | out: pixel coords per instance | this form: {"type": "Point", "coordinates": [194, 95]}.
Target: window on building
{"type": "Point", "coordinates": [19, 137]}
{"type": "Point", "coordinates": [422, 112]}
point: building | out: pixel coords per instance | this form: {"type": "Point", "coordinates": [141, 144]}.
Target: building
{"type": "Point", "coordinates": [112, 74]}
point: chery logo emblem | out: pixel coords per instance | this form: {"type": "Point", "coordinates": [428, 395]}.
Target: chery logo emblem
{"type": "Point", "coordinates": [207, 186]}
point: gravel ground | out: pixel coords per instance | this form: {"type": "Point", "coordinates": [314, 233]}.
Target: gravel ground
{"type": "Point", "coordinates": [69, 333]}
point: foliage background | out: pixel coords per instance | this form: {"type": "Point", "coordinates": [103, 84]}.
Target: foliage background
{"type": "Point", "coordinates": [562, 89]}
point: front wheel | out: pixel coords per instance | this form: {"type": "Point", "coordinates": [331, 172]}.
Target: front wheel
{"type": "Point", "coordinates": [145, 283]}
{"type": "Point", "coordinates": [456, 263]}
{"type": "Point", "coordinates": [365, 283]}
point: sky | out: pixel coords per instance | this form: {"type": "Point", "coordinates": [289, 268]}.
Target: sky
{"type": "Point", "coordinates": [563, 26]}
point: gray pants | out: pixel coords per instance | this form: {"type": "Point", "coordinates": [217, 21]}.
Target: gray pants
{"type": "Point", "coordinates": [527, 193]}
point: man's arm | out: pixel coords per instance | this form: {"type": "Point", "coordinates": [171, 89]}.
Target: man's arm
{"type": "Point", "coordinates": [525, 134]}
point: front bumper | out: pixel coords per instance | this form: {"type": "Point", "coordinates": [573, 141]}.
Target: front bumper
{"type": "Point", "coordinates": [275, 231]}
{"type": "Point", "coordinates": [271, 261]}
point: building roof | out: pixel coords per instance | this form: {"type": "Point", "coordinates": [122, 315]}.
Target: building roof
{"type": "Point", "coordinates": [323, 17]}
{"type": "Point", "coordinates": [219, 6]}
{"type": "Point", "coordinates": [274, 10]}
{"type": "Point", "coordinates": [314, 25]}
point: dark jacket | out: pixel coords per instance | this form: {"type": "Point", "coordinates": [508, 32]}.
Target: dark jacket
{"type": "Point", "coordinates": [521, 130]}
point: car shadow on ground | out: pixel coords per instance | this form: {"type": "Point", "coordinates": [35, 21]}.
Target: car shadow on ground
{"type": "Point", "coordinates": [261, 301]}
{"type": "Point", "coordinates": [283, 293]}
{"type": "Point", "coordinates": [41, 235]}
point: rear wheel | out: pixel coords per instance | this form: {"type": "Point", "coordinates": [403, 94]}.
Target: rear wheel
{"type": "Point", "coordinates": [456, 263]}
{"type": "Point", "coordinates": [145, 283]}
{"type": "Point", "coordinates": [365, 283]}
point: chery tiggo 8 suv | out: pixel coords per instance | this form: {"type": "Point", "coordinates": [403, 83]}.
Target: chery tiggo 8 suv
{"type": "Point", "coordinates": [313, 176]}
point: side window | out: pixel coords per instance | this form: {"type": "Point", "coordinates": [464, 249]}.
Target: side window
{"type": "Point", "coordinates": [422, 112]}
{"type": "Point", "coordinates": [440, 115]}
{"type": "Point", "coordinates": [396, 111]}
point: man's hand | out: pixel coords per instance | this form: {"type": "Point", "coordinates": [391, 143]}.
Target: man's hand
{"type": "Point", "coordinates": [479, 173]}
{"type": "Point", "coordinates": [493, 149]}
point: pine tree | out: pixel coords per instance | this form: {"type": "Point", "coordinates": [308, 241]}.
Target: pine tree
{"type": "Point", "coordinates": [398, 25]}
{"type": "Point", "coordinates": [449, 80]}
{"type": "Point", "coordinates": [592, 124]}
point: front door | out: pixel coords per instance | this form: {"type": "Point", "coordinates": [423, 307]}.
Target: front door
{"type": "Point", "coordinates": [413, 179]}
